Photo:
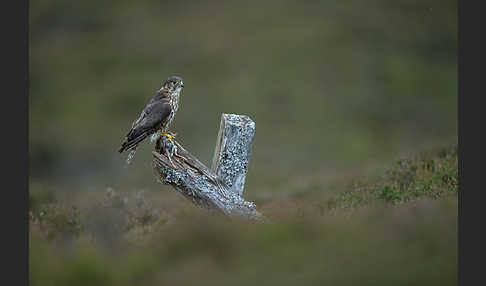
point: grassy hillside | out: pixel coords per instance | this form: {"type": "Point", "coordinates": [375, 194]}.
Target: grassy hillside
{"type": "Point", "coordinates": [400, 228]}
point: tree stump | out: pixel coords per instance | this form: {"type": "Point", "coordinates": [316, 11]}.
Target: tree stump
{"type": "Point", "coordinates": [222, 187]}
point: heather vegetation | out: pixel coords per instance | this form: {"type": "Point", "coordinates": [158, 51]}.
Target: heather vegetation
{"type": "Point", "coordinates": [403, 225]}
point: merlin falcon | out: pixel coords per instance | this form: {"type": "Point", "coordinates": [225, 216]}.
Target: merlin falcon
{"type": "Point", "coordinates": [156, 117]}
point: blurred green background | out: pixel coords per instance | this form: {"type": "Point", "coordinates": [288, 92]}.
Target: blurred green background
{"type": "Point", "coordinates": [337, 89]}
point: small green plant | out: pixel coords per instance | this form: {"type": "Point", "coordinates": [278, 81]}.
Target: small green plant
{"type": "Point", "coordinates": [430, 175]}
{"type": "Point", "coordinates": [390, 194]}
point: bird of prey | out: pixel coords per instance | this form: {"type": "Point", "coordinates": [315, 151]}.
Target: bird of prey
{"type": "Point", "coordinates": [156, 117]}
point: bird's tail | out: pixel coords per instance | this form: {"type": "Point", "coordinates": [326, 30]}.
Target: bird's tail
{"type": "Point", "coordinates": [131, 143]}
{"type": "Point", "coordinates": [130, 155]}
{"type": "Point", "coordinates": [122, 148]}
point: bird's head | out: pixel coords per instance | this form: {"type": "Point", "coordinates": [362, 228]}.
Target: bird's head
{"type": "Point", "coordinates": [173, 84]}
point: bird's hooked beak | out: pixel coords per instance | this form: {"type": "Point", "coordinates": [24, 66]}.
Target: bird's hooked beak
{"type": "Point", "coordinates": [181, 84]}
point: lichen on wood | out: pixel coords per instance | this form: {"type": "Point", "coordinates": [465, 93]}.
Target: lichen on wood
{"type": "Point", "coordinates": [233, 149]}
{"type": "Point", "coordinates": [206, 188]}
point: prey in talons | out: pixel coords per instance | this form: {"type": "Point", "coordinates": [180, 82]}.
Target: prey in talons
{"type": "Point", "coordinates": [169, 146]}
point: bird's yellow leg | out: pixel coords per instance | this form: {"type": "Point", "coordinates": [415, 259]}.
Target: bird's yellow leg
{"type": "Point", "coordinates": [171, 137]}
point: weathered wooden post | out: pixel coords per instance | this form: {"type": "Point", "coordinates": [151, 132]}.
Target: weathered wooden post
{"type": "Point", "coordinates": [222, 187]}
{"type": "Point", "coordinates": [233, 148]}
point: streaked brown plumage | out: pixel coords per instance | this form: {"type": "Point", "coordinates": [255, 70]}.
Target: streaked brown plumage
{"type": "Point", "coordinates": [156, 116]}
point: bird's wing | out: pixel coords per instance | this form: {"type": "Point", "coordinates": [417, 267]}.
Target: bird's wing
{"type": "Point", "coordinates": [156, 111]}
